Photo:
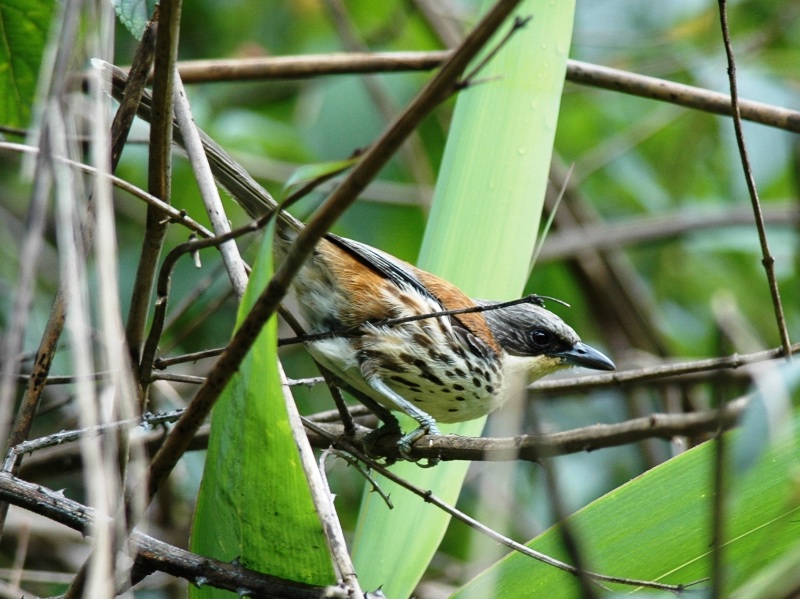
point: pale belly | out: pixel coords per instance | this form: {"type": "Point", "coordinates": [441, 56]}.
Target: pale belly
{"type": "Point", "coordinates": [449, 388]}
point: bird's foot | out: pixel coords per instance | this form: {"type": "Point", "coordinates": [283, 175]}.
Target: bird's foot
{"type": "Point", "coordinates": [407, 440]}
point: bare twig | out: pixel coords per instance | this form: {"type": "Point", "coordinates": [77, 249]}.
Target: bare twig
{"type": "Point", "coordinates": [45, 352]}
{"type": "Point", "coordinates": [168, 212]}
{"type": "Point", "coordinates": [767, 258]}
{"type": "Point", "coordinates": [649, 229]}
{"type": "Point", "coordinates": [429, 497]}
{"type": "Point", "coordinates": [438, 88]}
{"type": "Point", "coordinates": [322, 498]}
{"type": "Point", "coordinates": [156, 556]}
{"type": "Point", "coordinates": [54, 453]}
{"type": "Point", "coordinates": [299, 67]}
{"type": "Point", "coordinates": [165, 282]}
{"type": "Point", "coordinates": [208, 188]}
{"type": "Point", "coordinates": [639, 375]}
{"type": "Point", "coordinates": [74, 435]}
{"type": "Point", "coordinates": [159, 173]}
{"type": "Point", "coordinates": [311, 65]}
{"type": "Point", "coordinates": [393, 322]}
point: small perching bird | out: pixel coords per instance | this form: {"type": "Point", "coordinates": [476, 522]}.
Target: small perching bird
{"type": "Point", "coordinates": [449, 368]}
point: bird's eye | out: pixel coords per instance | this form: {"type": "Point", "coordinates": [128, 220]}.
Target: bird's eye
{"type": "Point", "coordinates": [541, 337]}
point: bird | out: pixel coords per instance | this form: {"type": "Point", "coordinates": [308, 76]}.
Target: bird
{"type": "Point", "coordinates": [446, 368]}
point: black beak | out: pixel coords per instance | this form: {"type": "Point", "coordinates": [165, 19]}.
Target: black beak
{"type": "Point", "coordinates": [581, 354]}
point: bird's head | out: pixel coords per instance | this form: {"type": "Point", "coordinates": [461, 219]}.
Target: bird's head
{"type": "Point", "coordinates": [539, 342]}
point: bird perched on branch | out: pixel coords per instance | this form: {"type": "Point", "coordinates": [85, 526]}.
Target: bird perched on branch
{"type": "Point", "coordinates": [446, 368]}
{"type": "Point", "coordinates": [449, 368]}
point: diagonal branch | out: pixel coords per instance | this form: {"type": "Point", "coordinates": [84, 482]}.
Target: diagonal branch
{"type": "Point", "coordinates": [767, 258]}
{"type": "Point", "coordinates": [153, 555]}
{"type": "Point", "coordinates": [438, 89]}
{"type": "Point", "coordinates": [582, 73]}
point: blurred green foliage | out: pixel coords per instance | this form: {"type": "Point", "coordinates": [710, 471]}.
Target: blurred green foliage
{"type": "Point", "coordinates": [633, 157]}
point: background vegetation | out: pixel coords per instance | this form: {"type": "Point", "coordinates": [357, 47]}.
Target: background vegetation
{"type": "Point", "coordinates": [653, 246]}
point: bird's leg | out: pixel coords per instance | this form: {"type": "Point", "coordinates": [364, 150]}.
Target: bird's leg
{"type": "Point", "coordinates": [427, 425]}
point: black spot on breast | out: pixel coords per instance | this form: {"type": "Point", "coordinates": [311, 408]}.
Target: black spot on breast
{"type": "Point", "coordinates": [458, 350]}
{"type": "Point", "coordinates": [407, 358]}
{"type": "Point", "coordinates": [452, 409]}
{"type": "Point", "coordinates": [404, 381]}
{"type": "Point", "coordinates": [489, 389]}
{"type": "Point", "coordinates": [449, 374]}
{"type": "Point", "coordinates": [391, 365]}
{"type": "Point", "coordinates": [429, 376]}
{"type": "Point", "coordinates": [459, 372]}
{"type": "Point", "coordinates": [476, 381]}
{"type": "Point", "coordinates": [440, 357]}
{"type": "Point", "coordinates": [423, 340]}
{"type": "Point", "coordinates": [458, 387]}
{"type": "Point", "coordinates": [460, 398]}
{"type": "Point", "coordinates": [445, 390]}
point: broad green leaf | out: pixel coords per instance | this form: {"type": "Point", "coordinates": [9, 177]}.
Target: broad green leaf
{"type": "Point", "coordinates": [135, 14]}
{"type": "Point", "coordinates": [658, 527]}
{"type": "Point", "coordinates": [486, 212]}
{"type": "Point", "coordinates": [254, 504]}
{"type": "Point", "coordinates": [23, 28]}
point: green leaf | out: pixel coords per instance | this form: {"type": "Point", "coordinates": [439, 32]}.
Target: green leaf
{"type": "Point", "coordinates": [24, 25]}
{"type": "Point", "coordinates": [486, 211]}
{"type": "Point", "coordinates": [134, 14]}
{"type": "Point", "coordinates": [254, 503]}
{"type": "Point", "coordinates": [658, 527]}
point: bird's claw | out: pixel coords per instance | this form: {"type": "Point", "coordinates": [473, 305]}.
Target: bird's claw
{"type": "Point", "coordinates": [407, 440]}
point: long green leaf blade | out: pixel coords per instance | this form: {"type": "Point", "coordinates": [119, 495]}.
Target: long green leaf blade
{"type": "Point", "coordinates": [658, 527]}
{"type": "Point", "coordinates": [480, 236]}
{"type": "Point", "coordinates": [254, 503]}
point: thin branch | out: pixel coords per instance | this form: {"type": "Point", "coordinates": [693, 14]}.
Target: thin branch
{"type": "Point", "coordinates": [429, 497]}
{"type": "Point", "coordinates": [310, 65]}
{"type": "Point", "coordinates": [766, 256]}
{"type": "Point", "coordinates": [74, 435]}
{"type": "Point", "coordinates": [159, 174]}
{"type": "Point", "coordinates": [165, 282]}
{"type": "Point", "coordinates": [321, 496]}
{"type": "Point", "coordinates": [584, 73]}
{"type": "Point", "coordinates": [393, 322]}
{"type": "Point", "coordinates": [639, 375]}
{"type": "Point", "coordinates": [208, 188]}
{"type": "Point", "coordinates": [153, 555]}
{"type": "Point", "coordinates": [54, 453]}
{"type": "Point", "coordinates": [650, 229]}
{"type": "Point", "coordinates": [45, 352]}
{"type": "Point", "coordinates": [632, 376]}
{"type": "Point", "coordinates": [169, 214]}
